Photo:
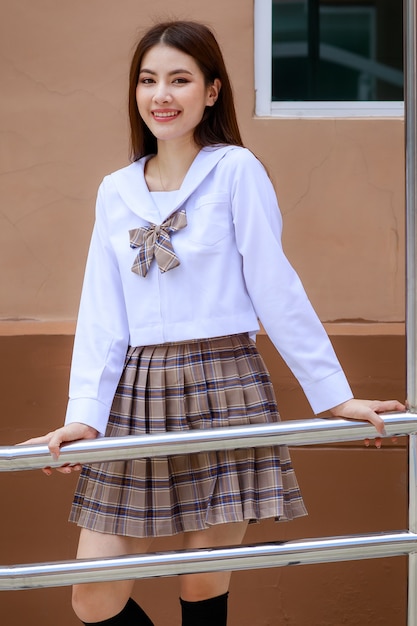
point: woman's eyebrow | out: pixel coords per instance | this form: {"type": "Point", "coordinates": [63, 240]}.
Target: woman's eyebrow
{"type": "Point", "coordinates": [179, 71]}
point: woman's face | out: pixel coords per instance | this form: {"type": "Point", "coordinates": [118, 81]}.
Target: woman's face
{"type": "Point", "coordinates": [171, 94]}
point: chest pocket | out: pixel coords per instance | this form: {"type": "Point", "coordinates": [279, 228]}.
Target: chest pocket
{"type": "Point", "coordinates": [210, 220]}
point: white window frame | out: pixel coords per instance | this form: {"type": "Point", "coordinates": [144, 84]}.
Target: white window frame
{"type": "Point", "coordinates": [265, 107]}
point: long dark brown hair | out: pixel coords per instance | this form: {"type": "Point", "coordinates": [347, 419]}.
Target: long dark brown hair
{"type": "Point", "coordinates": [219, 124]}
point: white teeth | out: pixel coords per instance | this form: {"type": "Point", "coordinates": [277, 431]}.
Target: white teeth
{"type": "Point", "coordinates": [167, 114]}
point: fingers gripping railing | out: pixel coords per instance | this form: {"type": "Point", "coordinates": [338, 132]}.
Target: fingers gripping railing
{"type": "Point", "coordinates": [295, 433]}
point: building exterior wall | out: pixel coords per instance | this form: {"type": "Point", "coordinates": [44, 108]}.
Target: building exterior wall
{"type": "Point", "coordinates": [340, 185]}
{"type": "Point", "coordinates": [63, 110]}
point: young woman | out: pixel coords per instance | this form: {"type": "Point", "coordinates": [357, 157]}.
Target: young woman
{"type": "Point", "coordinates": [185, 258]}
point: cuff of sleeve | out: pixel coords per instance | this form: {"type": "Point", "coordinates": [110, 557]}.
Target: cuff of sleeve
{"type": "Point", "coordinates": [329, 392]}
{"type": "Point", "coordinates": [88, 411]}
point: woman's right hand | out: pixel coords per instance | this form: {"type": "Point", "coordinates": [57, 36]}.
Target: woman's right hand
{"type": "Point", "coordinates": [72, 432]}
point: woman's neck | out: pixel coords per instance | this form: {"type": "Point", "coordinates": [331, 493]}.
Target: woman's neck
{"type": "Point", "coordinates": [168, 168]}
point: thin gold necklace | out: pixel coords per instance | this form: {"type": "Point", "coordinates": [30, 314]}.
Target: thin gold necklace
{"type": "Point", "coordinates": [160, 176]}
{"type": "Point", "coordinates": [162, 182]}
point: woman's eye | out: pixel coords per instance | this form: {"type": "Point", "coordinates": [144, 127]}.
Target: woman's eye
{"type": "Point", "coordinates": [146, 81]}
{"type": "Point", "coordinates": [181, 80]}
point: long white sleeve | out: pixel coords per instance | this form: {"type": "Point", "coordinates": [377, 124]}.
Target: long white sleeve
{"type": "Point", "coordinates": [102, 333]}
{"type": "Point", "coordinates": [277, 294]}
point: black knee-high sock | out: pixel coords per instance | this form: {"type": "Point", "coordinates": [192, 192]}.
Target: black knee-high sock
{"type": "Point", "coordinates": [131, 615]}
{"type": "Point", "coordinates": [211, 612]}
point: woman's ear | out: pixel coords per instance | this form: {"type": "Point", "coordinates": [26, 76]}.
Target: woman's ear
{"type": "Point", "coordinates": [213, 92]}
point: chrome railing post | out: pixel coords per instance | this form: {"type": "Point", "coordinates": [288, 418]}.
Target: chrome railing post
{"type": "Point", "coordinates": [410, 61]}
{"type": "Point", "coordinates": [410, 179]}
{"type": "Point", "coordinates": [412, 527]}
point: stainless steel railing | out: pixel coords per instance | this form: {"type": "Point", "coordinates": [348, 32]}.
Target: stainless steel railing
{"type": "Point", "coordinates": [294, 433]}
{"type": "Point", "coordinates": [410, 109]}
{"type": "Point", "coordinates": [305, 551]}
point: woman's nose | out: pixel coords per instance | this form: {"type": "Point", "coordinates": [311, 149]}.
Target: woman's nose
{"type": "Point", "coordinates": [162, 94]}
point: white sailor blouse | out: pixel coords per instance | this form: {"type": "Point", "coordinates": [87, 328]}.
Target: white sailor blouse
{"type": "Point", "coordinates": [212, 266]}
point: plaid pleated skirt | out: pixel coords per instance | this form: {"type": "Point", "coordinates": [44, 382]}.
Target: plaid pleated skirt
{"type": "Point", "coordinates": [210, 383]}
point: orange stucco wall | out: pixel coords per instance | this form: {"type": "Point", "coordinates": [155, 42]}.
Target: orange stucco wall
{"type": "Point", "coordinates": [63, 115]}
{"type": "Point", "coordinates": [340, 185]}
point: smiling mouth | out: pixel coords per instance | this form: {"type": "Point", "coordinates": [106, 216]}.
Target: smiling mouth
{"type": "Point", "coordinates": [164, 115]}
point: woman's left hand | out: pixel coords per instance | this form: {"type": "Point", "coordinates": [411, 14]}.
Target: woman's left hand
{"type": "Point", "coordinates": [367, 411]}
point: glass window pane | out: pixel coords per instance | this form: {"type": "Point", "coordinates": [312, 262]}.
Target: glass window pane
{"type": "Point", "coordinates": [337, 50]}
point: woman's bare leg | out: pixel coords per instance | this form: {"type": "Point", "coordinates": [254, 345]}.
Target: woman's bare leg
{"type": "Point", "coordinates": [95, 602]}
{"type": "Point", "coordinates": [195, 587]}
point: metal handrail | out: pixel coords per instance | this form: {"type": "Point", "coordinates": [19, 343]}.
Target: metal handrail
{"type": "Point", "coordinates": [301, 552]}
{"type": "Point", "coordinates": [300, 432]}
{"type": "Point", "coordinates": [294, 433]}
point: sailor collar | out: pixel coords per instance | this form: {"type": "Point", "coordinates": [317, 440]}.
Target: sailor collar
{"type": "Point", "coordinates": [131, 185]}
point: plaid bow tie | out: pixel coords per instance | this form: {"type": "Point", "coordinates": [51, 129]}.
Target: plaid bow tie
{"type": "Point", "coordinates": [155, 241]}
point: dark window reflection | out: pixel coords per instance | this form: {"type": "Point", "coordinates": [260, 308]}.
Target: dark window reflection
{"type": "Point", "coordinates": [347, 51]}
